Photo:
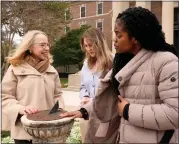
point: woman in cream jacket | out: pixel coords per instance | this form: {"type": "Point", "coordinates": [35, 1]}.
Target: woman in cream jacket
{"type": "Point", "coordinates": [30, 84]}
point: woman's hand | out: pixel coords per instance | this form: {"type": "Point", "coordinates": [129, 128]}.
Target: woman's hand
{"type": "Point", "coordinates": [74, 114]}
{"type": "Point", "coordinates": [121, 104]}
{"type": "Point", "coordinates": [28, 110]}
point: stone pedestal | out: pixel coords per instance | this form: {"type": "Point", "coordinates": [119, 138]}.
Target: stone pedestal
{"type": "Point", "coordinates": [55, 131]}
{"type": "Point", "coordinates": [73, 82]}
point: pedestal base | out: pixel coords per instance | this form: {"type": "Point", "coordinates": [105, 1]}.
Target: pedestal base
{"type": "Point", "coordinates": [73, 82]}
{"type": "Point", "coordinates": [55, 131]}
{"type": "Point", "coordinates": [51, 140]}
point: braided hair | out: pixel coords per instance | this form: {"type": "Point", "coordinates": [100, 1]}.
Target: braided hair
{"type": "Point", "coordinates": [143, 25]}
{"type": "Point", "coordinates": [120, 60]}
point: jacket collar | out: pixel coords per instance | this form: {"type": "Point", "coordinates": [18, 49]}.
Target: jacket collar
{"type": "Point", "coordinates": [26, 69]}
{"type": "Point", "coordinates": [51, 69]}
{"type": "Point", "coordinates": [130, 68]}
{"type": "Point", "coordinates": [107, 77]}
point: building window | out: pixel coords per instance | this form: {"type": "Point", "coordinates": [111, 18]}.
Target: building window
{"type": "Point", "coordinates": [67, 69]}
{"type": "Point", "coordinates": [83, 11]}
{"type": "Point", "coordinates": [99, 8]}
{"type": "Point", "coordinates": [67, 29]}
{"type": "Point", "coordinates": [99, 24]}
{"type": "Point", "coordinates": [67, 14]}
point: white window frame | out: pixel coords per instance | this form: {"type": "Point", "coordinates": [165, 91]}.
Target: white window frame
{"type": "Point", "coordinates": [66, 28]}
{"type": "Point", "coordinates": [100, 20]}
{"type": "Point", "coordinates": [67, 9]}
{"type": "Point", "coordinates": [66, 12]}
{"type": "Point", "coordinates": [97, 7]}
{"type": "Point", "coordinates": [83, 5]}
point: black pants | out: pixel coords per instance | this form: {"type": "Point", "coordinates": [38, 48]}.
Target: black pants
{"type": "Point", "coordinates": [23, 141]}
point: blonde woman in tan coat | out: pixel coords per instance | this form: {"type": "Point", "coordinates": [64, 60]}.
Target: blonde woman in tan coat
{"type": "Point", "coordinates": [98, 61]}
{"type": "Point", "coordinates": [30, 84]}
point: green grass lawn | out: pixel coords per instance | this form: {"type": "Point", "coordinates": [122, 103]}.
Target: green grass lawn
{"type": "Point", "coordinates": [64, 80]}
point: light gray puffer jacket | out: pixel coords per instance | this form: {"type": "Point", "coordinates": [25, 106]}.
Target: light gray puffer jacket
{"type": "Point", "coordinates": [150, 83]}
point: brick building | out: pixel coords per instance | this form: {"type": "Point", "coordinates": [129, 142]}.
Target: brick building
{"type": "Point", "coordinates": [95, 14]}
{"type": "Point", "coordinates": [102, 14]}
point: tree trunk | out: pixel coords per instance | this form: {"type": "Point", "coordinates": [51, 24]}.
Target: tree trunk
{"type": "Point", "coordinates": [4, 68]}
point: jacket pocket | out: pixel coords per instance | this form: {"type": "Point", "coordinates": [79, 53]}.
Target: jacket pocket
{"type": "Point", "coordinates": [102, 130]}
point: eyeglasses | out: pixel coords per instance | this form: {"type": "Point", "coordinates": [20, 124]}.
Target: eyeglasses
{"type": "Point", "coordinates": [43, 45]}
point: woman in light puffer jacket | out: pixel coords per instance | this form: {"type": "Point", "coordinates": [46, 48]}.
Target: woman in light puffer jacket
{"type": "Point", "coordinates": [148, 83]}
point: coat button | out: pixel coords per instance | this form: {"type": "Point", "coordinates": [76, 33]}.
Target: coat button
{"type": "Point", "coordinates": [173, 79]}
{"type": "Point", "coordinates": [120, 78]}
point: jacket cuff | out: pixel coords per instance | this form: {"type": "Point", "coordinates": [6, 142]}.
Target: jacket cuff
{"type": "Point", "coordinates": [14, 113]}
{"type": "Point", "coordinates": [126, 112]}
{"type": "Point", "coordinates": [88, 106]}
{"type": "Point", "coordinates": [84, 113]}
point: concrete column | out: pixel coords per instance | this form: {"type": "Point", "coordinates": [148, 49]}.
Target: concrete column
{"type": "Point", "coordinates": [168, 20]}
{"type": "Point", "coordinates": [144, 4]}
{"type": "Point", "coordinates": [73, 82]}
{"type": "Point", "coordinates": [117, 8]}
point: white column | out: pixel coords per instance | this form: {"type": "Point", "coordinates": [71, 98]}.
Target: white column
{"type": "Point", "coordinates": [144, 4]}
{"type": "Point", "coordinates": [168, 20]}
{"type": "Point", "coordinates": [117, 8]}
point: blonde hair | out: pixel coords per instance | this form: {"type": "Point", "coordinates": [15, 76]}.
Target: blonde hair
{"type": "Point", "coordinates": [103, 53]}
{"type": "Point", "coordinates": [18, 57]}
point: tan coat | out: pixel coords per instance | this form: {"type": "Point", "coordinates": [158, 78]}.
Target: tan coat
{"type": "Point", "coordinates": [150, 83]}
{"type": "Point", "coordinates": [22, 86]}
{"type": "Point", "coordinates": [103, 115]}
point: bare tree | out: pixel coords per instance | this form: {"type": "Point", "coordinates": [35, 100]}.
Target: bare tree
{"type": "Point", "coordinates": [17, 17]}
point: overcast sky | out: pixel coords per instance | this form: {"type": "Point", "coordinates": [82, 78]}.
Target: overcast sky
{"type": "Point", "coordinates": [17, 39]}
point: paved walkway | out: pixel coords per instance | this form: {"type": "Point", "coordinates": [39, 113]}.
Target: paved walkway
{"type": "Point", "coordinates": [71, 99]}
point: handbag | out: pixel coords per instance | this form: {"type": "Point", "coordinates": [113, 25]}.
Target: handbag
{"type": "Point", "coordinates": [167, 137]}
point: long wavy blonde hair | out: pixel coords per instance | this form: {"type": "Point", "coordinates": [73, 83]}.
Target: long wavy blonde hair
{"type": "Point", "coordinates": [19, 55]}
{"type": "Point", "coordinates": [103, 53]}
